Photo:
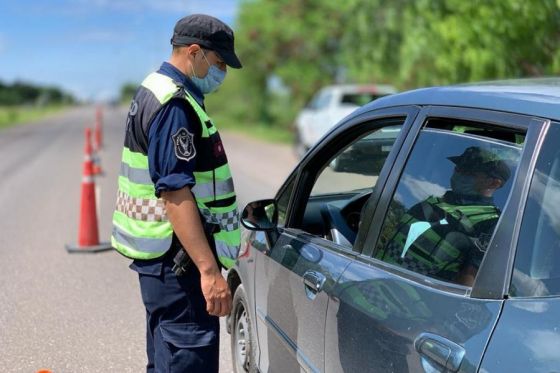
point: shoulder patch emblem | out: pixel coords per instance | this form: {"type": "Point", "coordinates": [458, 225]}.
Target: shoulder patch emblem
{"type": "Point", "coordinates": [183, 142]}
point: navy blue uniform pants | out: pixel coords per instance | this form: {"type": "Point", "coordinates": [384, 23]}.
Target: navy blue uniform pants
{"type": "Point", "coordinates": [181, 335]}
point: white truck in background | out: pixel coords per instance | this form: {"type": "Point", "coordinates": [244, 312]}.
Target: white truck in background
{"type": "Point", "coordinates": [328, 106]}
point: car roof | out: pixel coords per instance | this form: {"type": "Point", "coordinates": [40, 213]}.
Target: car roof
{"type": "Point", "coordinates": [535, 97]}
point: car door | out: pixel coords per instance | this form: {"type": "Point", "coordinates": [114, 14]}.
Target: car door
{"type": "Point", "coordinates": [527, 336]}
{"type": "Point", "coordinates": [296, 275]}
{"type": "Point", "coordinates": [408, 303]}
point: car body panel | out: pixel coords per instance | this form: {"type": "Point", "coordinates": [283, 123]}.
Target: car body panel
{"type": "Point", "coordinates": [526, 339]}
{"type": "Point", "coordinates": [387, 313]}
{"type": "Point", "coordinates": [244, 273]}
{"type": "Point", "coordinates": [283, 298]}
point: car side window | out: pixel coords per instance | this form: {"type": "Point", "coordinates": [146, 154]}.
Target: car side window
{"type": "Point", "coordinates": [449, 198]}
{"type": "Point", "coordinates": [357, 165]}
{"type": "Point", "coordinates": [345, 180]}
{"type": "Point", "coordinates": [537, 263]}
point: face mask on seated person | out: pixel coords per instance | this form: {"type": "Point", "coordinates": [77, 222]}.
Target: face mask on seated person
{"type": "Point", "coordinates": [211, 81]}
{"type": "Point", "coordinates": [463, 184]}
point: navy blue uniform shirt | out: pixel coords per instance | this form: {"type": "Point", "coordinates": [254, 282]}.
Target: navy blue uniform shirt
{"type": "Point", "coordinates": [170, 169]}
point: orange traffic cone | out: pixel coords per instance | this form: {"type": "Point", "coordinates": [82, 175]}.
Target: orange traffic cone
{"type": "Point", "coordinates": [88, 234]}
{"type": "Point", "coordinates": [96, 160]}
{"type": "Point", "coordinates": [96, 164]}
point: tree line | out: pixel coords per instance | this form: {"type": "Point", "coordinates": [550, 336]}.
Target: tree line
{"type": "Point", "coordinates": [306, 44]}
{"type": "Point", "coordinates": [20, 93]}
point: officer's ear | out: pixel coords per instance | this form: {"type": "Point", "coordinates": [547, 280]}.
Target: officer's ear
{"type": "Point", "coordinates": [193, 49]}
{"type": "Point", "coordinates": [495, 183]}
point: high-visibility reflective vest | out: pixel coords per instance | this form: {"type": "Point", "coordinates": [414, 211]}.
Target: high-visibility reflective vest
{"type": "Point", "coordinates": [141, 228]}
{"type": "Point", "coordinates": [426, 246]}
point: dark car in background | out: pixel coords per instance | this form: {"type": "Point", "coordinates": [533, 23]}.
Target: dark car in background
{"type": "Point", "coordinates": [334, 275]}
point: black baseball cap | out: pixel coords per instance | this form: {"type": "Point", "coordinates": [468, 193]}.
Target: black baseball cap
{"type": "Point", "coordinates": [478, 159]}
{"type": "Point", "coordinates": [209, 33]}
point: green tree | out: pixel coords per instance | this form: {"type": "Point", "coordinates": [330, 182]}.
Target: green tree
{"type": "Point", "coordinates": [295, 40]}
{"type": "Point", "coordinates": [21, 93]}
{"type": "Point", "coordinates": [407, 43]}
{"type": "Point", "coordinates": [127, 92]}
{"type": "Point", "coordinates": [448, 41]}
{"type": "Point", "coordinates": [370, 45]}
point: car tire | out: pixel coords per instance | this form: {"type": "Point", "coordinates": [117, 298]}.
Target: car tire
{"type": "Point", "coordinates": [242, 341]}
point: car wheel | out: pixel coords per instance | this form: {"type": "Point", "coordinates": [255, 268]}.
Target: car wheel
{"type": "Point", "coordinates": [242, 341]}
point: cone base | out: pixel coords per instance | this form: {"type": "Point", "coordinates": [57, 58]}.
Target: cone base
{"type": "Point", "coordinates": [103, 246]}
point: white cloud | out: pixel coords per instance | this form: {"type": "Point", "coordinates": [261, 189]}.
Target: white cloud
{"type": "Point", "coordinates": [422, 189]}
{"type": "Point", "coordinates": [544, 344]}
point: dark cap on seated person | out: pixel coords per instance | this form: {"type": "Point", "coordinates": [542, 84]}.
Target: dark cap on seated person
{"type": "Point", "coordinates": [475, 158]}
{"type": "Point", "coordinates": [209, 33]}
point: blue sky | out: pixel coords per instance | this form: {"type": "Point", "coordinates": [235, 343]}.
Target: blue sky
{"type": "Point", "coordinates": [91, 47]}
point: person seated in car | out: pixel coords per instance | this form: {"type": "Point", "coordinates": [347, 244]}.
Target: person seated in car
{"type": "Point", "coordinates": [446, 237]}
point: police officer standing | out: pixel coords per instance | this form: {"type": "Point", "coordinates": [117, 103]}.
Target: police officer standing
{"type": "Point", "coordinates": [176, 212]}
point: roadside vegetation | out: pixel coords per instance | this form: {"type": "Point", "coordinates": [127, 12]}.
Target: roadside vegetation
{"type": "Point", "coordinates": [13, 115]}
{"type": "Point", "coordinates": [23, 102]}
{"type": "Point", "coordinates": [291, 48]}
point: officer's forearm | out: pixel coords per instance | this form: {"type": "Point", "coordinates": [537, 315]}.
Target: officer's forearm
{"type": "Point", "coordinates": [185, 219]}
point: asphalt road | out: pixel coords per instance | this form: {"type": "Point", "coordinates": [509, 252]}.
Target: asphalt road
{"type": "Point", "coordinates": [83, 312]}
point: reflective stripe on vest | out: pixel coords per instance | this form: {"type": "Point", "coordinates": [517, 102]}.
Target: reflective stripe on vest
{"type": "Point", "coordinates": [141, 229]}
{"type": "Point", "coordinates": [220, 182]}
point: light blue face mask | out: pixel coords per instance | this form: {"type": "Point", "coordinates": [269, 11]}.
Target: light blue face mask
{"type": "Point", "coordinates": [211, 81]}
{"type": "Point", "coordinates": [463, 184]}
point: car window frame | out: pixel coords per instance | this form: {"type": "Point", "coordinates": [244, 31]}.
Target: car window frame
{"type": "Point", "coordinates": [492, 279]}
{"type": "Point", "coordinates": [347, 131]}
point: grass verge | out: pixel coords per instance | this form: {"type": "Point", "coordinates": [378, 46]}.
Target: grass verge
{"type": "Point", "coordinates": [13, 115]}
{"type": "Point", "coordinates": [257, 130]}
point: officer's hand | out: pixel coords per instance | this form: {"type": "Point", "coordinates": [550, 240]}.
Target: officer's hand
{"type": "Point", "coordinates": [217, 294]}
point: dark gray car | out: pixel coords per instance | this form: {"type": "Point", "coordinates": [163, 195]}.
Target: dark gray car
{"type": "Point", "coordinates": [443, 256]}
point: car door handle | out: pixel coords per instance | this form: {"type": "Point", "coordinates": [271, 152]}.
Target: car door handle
{"type": "Point", "coordinates": [441, 350]}
{"type": "Point", "coordinates": [314, 281]}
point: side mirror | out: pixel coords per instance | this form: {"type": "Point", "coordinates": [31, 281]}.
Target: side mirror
{"type": "Point", "coordinates": [260, 215]}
